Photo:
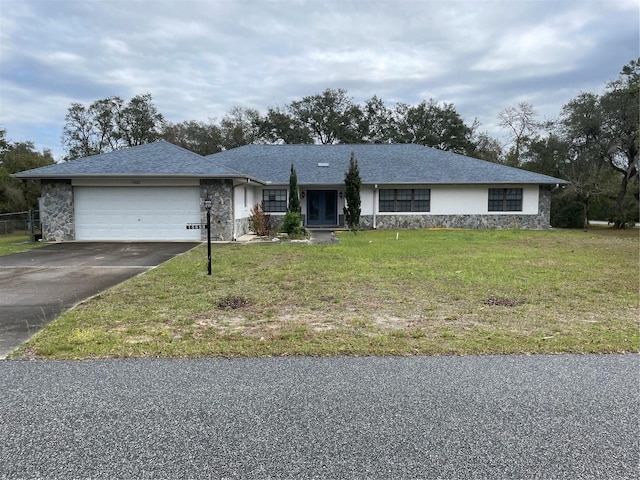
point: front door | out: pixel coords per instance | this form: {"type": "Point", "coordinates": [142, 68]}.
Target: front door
{"type": "Point", "coordinates": [322, 207]}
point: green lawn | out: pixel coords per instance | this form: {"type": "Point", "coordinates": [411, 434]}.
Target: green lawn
{"type": "Point", "coordinates": [429, 292]}
{"type": "Point", "coordinates": [15, 243]}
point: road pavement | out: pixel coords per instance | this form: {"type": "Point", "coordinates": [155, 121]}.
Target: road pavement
{"type": "Point", "coordinates": [494, 417]}
{"type": "Point", "coordinates": [37, 285]}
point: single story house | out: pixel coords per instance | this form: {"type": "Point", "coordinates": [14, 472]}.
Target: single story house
{"type": "Point", "coordinates": [153, 191]}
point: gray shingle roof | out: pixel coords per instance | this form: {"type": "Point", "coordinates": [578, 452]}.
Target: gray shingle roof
{"type": "Point", "coordinates": [379, 163]}
{"type": "Point", "coordinates": [157, 159]}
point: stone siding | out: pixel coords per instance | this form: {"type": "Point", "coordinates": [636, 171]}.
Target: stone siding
{"type": "Point", "coordinates": [544, 207]}
{"type": "Point", "coordinates": [56, 211]}
{"type": "Point", "coordinates": [242, 227]}
{"type": "Point", "coordinates": [221, 194]}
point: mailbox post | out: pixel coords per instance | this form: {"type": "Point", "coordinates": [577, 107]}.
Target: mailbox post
{"type": "Point", "coordinates": [207, 205]}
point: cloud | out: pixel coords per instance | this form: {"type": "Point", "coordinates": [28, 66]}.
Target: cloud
{"type": "Point", "coordinates": [200, 58]}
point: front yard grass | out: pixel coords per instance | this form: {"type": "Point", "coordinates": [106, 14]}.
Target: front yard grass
{"type": "Point", "coordinates": [15, 243]}
{"type": "Point", "coordinates": [428, 292]}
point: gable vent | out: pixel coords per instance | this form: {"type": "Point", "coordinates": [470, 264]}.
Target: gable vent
{"type": "Point", "coordinates": [323, 164]}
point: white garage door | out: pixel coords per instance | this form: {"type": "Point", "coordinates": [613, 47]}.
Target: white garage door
{"type": "Point", "coordinates": [136, 213]}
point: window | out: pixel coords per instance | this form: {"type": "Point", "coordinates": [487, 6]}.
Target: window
{"type": "Point", "coordinates": [387, 200]}
{"type": "Point", "coordinates": [274, 200]}
{"type": "Point", "coordinates": [505, 199]}
{"type": "Point", "coordinates": [405, 200]}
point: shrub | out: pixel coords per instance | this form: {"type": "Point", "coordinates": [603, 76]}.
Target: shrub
{"type": "Point", "coordinates": [352, 183]}
{"type": "Point", "coordinates": [292, 224]}
{"type": "Point", "coordinates": [567, 214]}
{"type": "Point", "coordinates": [260, 221]}
{"type": "Point", "coordinates": [294, 199]}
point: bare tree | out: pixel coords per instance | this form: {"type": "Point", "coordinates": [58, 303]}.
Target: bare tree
{"type": "Point", "coordinates": [520, 121]}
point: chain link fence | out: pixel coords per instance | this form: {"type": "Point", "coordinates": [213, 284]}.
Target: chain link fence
{"type": "Point", "coordinates": [21, 223]}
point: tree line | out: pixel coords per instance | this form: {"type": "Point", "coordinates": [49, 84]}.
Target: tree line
{"type": "Point", "coordinates": [15, 195]}
{"type": "Point", "coordinates": [593, 142]}
{"type": "Point", "coordinates": [329, 117]}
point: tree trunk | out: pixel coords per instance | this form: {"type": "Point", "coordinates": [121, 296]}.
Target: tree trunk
{"type": "Point", "coordinates": [622, 192]}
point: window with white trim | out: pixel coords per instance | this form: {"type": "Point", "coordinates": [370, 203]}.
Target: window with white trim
{"type": "Point", "coordinates": [275, 200]}
{"type": "Point", "coordinates": [505, 199]}
{"type": "Point", "coordinates": [404, 200]}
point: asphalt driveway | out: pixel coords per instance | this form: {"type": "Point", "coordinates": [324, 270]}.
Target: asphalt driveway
{"type": "Point", "coordinates": [37, 285]}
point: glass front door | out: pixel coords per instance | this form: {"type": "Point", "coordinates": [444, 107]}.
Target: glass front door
{"type": "Point", "coordinates": [322, 207]}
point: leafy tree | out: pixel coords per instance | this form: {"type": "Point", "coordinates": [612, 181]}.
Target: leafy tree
{"type": "Point", "coordinates": [16, 195]}
{"type": "Point", "coordinates": [81, 135]}
{"type": "Point", "coordinates": [199, 137]}
{"type": "Point", "coordinates": [487, 148]}
{"type": "Point", "coordinates": [110, 124]}
{"type": "Point", "coordinates": [331, 116]}
{"type": "Point", "coordinates": [586, 174]}
{"type": "Point", "coordinates": [139, 122]}
{"type": "Point", "coordinates": [433, 125]}
{"type": "Point", "coordinates": [601, 134]}
{"type": "Point", "coordinates": [581, 126]}
{"type": "Point", "coordinates": [11, 195]}
{"type": "Point", "coordinates": [621, 129]}
{"type": "Point", "coordinates": [548, 155]}
{"type": "Point", "coordinates": [279, 126]}
{"type": "Point", "coordinates": [240, 126]}
{"type": "Point", "coordinates": [378, 123]}
{"type": "Point", "coordinates": [352, 183]}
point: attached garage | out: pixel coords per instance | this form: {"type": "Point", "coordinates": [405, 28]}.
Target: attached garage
{"type": "Point", "coordinates": [144, 193]}
{"type": "Point", "coordinates": [136, 213]}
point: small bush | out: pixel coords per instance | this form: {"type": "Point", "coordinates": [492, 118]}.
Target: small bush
{"type": "Point", "coordinates": [292, 225]}
{"type": "Point", "coordinates": [260, 221]}
{"type": "Point", "coordinates": [290, 222]}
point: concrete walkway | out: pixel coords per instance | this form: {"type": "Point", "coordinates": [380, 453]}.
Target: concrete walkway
{"type": "Point", "coordinates": [323, 235]}
{"type": "Point", "coordinates": [317, 236]}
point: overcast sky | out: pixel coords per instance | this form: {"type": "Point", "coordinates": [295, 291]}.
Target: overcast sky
{"type": "Point", "coordinates": [200, 58]}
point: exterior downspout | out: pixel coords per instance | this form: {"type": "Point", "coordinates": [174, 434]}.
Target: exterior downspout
{"type": "Point", "coordinates": [375, 203]}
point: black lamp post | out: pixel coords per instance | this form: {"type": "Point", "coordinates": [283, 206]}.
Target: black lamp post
{"type": "Point", "coordinates": [207, 205]}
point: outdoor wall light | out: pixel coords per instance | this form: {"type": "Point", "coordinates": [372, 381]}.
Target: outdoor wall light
{"type": "Point", "coordinates": [302, 194]}
{"type": "Point", "coordinates": [340, 194]}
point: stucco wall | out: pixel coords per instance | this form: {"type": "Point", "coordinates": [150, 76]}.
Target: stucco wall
{"type": "Point", "coordinates": [56, 211]}
{"type": "Point", "coordinates": [244, 198]}
{"type": "Point", "coordinates": [452, 206]}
